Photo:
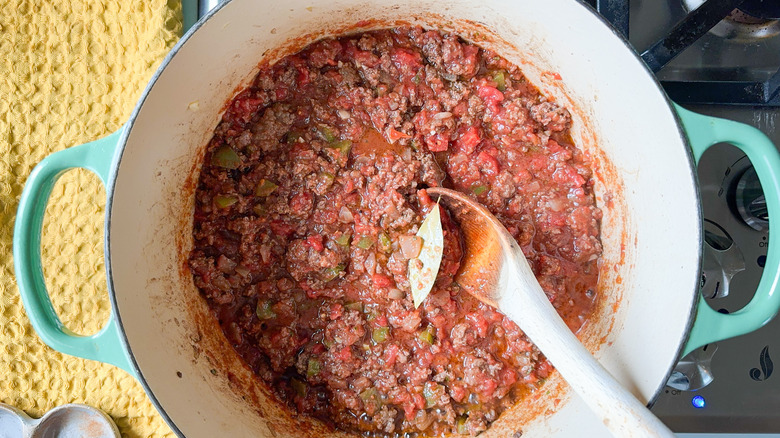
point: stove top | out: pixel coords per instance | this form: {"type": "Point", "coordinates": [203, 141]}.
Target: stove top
{"type": "Point", "coordinates": [732, 71]}
{"type": "Point", "coordinates": [729, 386]}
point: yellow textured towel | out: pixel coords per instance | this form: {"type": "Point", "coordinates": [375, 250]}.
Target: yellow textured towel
{"type": "Point", "coordinates": [70, 72]}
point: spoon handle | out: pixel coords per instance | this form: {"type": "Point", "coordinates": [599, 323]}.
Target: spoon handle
{"type": "Point", "coordinates": [524, 301]}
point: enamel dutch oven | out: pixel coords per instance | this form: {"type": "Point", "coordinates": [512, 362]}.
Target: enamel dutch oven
{"type": "Point", "coordinates": [644, 150]}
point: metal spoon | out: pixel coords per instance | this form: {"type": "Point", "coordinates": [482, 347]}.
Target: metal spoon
{"type": "Point", "coordinates": [67, 421]}
{"type": "Point", "coordinates": [495, 271]}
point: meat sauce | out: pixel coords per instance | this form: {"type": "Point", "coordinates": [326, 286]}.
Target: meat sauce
{"type": "Point", "coordinates": [310, 195]}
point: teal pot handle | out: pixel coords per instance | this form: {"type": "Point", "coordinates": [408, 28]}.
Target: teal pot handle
{"type": "Point", "coordinates": [106, 345]}
{"type": "Point", "coordinates": [189, 14]}
{"type": "Point", "coordinates": [703, 132]}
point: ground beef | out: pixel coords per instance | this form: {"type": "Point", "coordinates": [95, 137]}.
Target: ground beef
{"type": "Point", "coordinates": [315, 174]}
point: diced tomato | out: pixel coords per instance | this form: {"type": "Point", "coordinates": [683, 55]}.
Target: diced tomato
{"type": "Point", "coordinates": [301, 202]}
{"type": "Point", "coordinates": [311, 293]}
{"type": "Point", "coordinates": [425, 198]}
{"type": "Point", "coordinates": [421, 119]}
{"type": "Point", "coordinates": [244, 106]}
{"type": "Point", "coordinates": [409, 411]}
{"type": "Point", "coordinates": [544, 369]}
{"type": "Point", "coordinates": [336, 310]}
{"type": "Point", "coordinates": [460, 109]}
{"type": "Point", "coordinates": [276, 337]}
{"type": "Point", "coordinates": [315, 241]}
{"type": "Point", "coordinates": [557, 220]}
{"type": "Point", "coordinates": [468, 140]}
{"type": "Point", "coordinates": [344, 354]}
{"type": "Point", "coordinates": [381, 321]}
{"type": "Point", "coordinates": [281, 229]}
{"type": "Point", "coordinates": [361, 57]}
{"type": "Point", "coordinates": [441, 360]}
{"type": "Point", "coordinates": [303, 77]}
{"type": "Point", "coordinates": [424, 357]}
{"type": "Point", "coordinates": [391, 354]}
{"type": "Point", "coordinates": [301, 151]}
{"type": "Point", "coordinates": [478, 322]}
{"type": "Point", "coordinates": [487, 387]}
{"type": "Point", "coordinates": [362, 226]}
{"type": "Point", "coordinates": [553, 146]}
{"type": "Point", "coordinates": [406, 58]}
{"type": "Point", "coordinates": [419, 400]}
{"type": "Point", "coordinates": [457, 392]}
{"type": "Point", "coordinates": [490, 94]}
{"type": "Point", "coordinates": [394, 135]}
{"type": "Point", "coordinates": [367, 58]}
{"type": "Point", "coordinates": [382, 281]}
{"type": "Point", "coordinates": [300, 341]}
{"type": "Point", "coordinates": [487, 163]}
{"type": "Point", "coordinates": [508, 376]}
{"type": "Point", "coordinates": [437, 142]}
{"type": "Point", "coordinates": [493, 317]}
{"type": "Point", "coordinates": [569, 176]}
{"type": "Point", "coordinates": [469, 60]}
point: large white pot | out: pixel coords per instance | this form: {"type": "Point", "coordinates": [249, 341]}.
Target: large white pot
{"type": "Point", "coordinates": [162, 331]}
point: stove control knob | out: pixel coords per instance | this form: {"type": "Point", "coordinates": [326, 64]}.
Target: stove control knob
{"type": "Point", "coordinates": [694, 371]}
{"type": "Point", "coordinates": [721, 261]}
{"type": "Point", "coordinates": [750, 201]}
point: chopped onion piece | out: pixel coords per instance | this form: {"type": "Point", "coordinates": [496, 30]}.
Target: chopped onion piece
{"type": "Point", "coordinates": [396, 294]}
{"type": "Point", "coordinates": [265, 253]}
{"type": "Point", "coordinates": [410, 246]}
{"type": "Point", "coordinates": [370, 264]}
{"type": "Point", "coordinates": [345, 215]}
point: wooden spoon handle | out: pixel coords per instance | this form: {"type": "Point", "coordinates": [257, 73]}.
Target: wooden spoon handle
{"type": "Point", "coordinates": [523, 300]}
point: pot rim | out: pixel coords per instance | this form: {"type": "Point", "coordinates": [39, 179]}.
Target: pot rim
{"type": "Point", "coordinates": [110, 185]}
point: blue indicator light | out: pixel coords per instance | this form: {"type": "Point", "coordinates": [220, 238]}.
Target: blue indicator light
{"type": "Point", "coordinates": [698, 402]}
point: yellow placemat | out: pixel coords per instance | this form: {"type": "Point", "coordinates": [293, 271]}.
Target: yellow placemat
{"type": "Point", "coordinates": [70, 72]}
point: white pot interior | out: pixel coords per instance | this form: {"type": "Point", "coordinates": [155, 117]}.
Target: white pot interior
{"type": "Point", "coordinates": [645, 186]}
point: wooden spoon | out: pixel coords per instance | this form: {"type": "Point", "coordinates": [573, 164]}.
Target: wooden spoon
{"type": "Point", "coordinates": [495, 271]}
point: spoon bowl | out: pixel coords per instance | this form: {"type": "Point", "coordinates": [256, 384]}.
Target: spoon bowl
{"type": "Point", "coordinates": [495, 271]}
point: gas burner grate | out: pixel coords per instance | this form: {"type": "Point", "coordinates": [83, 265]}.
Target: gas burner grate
{"type": "Point", "coordinates": [764, 9]}
{"type": "Point", "coordinates": [743, 18]}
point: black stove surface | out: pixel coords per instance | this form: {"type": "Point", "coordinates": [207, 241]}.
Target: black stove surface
{"type": "Point", "coordinates": [732, 71]}
{"type": "Point", "coordinates": [744, 393]}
